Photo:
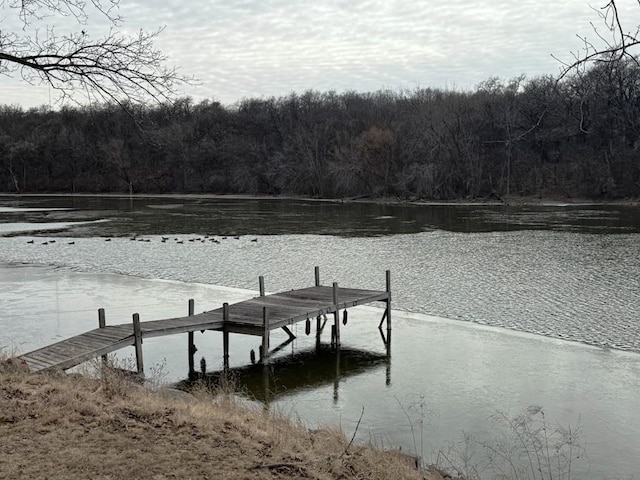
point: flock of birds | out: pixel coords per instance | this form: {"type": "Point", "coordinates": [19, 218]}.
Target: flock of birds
{"type": "Point", "coordinates": [135, 238]}
{"type": "Point", "coordinates": [47, 242]}
{"type": "Point", "coordinates": [204, 239]}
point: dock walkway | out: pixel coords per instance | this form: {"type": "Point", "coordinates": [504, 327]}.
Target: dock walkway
{"type": "Point", "coordinates": [257, 316]}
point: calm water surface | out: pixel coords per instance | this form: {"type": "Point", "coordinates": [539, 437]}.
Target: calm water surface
{"type": "Point", "coordinates": [562, 272]}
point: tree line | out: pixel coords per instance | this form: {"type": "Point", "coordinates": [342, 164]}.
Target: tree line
{"type": "Point", "coordinates": [574, 137]}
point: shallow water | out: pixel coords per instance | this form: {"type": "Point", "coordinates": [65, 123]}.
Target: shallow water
{"type": "Point", "coordinates": [561, 272]}
{"type": "Point", "coordinates": [449, 376]}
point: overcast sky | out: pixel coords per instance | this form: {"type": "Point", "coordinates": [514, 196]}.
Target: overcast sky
{"type": "Point", "coordinates": [263, 48]}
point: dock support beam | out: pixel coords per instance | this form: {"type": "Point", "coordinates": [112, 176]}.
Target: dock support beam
{"type": "Point", "coordinates": [225, 338]}
{"type": "Point", "coordinates": [288, 331]}
{"type": "Point", "coordinates": [261, 284]}
{"type": "Point", "coordinates": [264, 357]}
{"type": "Point", "coordinates": [336, 315]}
{"type": "Point", "coordinates": [317, 274]}
{"type": "Point", "coordinates": [191, 347]}
{"type": "Point", "coordinates": [102, 323]}
{"type": "Point", "coordinates": [137, 337]}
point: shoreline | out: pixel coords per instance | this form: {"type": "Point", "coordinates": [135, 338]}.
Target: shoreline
{"type": "Point", "coordinates": [73, 426]}
{"type": "Point", "coordinates": [508, 201]}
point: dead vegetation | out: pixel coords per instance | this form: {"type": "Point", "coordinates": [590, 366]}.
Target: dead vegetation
{"type": "Point", "coordinates": [62, 426]}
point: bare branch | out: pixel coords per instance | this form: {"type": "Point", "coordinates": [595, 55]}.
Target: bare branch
{"type": "Point", "coordinates": [115, 67]}
{"type": "Point", "coordinates": [616, 44]}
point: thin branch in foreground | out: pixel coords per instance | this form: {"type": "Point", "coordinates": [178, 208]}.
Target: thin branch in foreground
{"type": "Point", "coordinates": [354, 433]}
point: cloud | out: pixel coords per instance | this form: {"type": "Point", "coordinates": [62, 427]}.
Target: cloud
{"type": "Point", "coordinates": [252, 48]}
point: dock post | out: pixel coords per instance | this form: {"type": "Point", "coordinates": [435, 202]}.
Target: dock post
{"type": "Point", "coordinates": [261, 283]}
{"type": "Point", "coordinates": [317, 274]}
{"type": "Point", "coordinates": [336, 314]}
{"type": "Point", "coordinates": [318, 331]}
{"type": "Point", "coordinates": [191, 347]}
{"type": "Point", "coordinates": [225, 337]}
{"type": "Point", "coordinates": [388, 274]}
{"type": "Point", "coordinates": [265, 336]}
{"type": "Point", "coordinates": [102, 323]}
{"type": "Point", "coordinates": [137, 336]}
{"type": "Point", "coordinates": [388, 300]}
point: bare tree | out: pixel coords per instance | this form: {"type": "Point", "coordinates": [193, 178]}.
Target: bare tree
{"type": "Point", "coordinates": [619, 38]}
{"type": "Point", "coordinates": [114, 66]}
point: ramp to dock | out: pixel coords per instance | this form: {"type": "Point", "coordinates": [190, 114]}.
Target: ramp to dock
{"type": "Point", "coordinates": [102, 341]}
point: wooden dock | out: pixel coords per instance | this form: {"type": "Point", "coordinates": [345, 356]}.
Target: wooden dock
{"type": "Point", "coordinates": [257, 316]}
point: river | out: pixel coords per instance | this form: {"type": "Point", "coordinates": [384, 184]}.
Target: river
{"type": "Point", "coordinates": [495, 308]}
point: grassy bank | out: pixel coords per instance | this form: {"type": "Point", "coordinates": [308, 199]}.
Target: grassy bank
{"type": "Point", "coordinates": [60, 426]}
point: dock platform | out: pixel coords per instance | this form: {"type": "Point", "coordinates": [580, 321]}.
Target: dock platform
{"type": "Point", "coordinates": [256, 316]}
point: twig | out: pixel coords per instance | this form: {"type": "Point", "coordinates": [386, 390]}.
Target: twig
{"type": "Point", "coordinates": [354, 433]}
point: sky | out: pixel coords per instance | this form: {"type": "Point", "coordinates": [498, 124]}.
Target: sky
{"type": "Point", "coordinates": [263, 48]}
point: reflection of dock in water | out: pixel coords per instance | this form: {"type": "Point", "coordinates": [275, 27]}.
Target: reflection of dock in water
{"type": "Point", "coordinates": [293, 373]}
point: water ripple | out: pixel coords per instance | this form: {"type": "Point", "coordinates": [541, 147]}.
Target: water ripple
{"type": "Point", "coordinates": [581, 287]}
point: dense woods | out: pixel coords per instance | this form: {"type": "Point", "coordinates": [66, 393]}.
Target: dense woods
{"type": "Point", "coordinates": [577, 137]}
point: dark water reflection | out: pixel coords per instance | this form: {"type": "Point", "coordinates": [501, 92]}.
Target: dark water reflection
{"type": "Point", "coordinates": [288, 375]}
{"type": "Point", "coordinates": [229, 216]}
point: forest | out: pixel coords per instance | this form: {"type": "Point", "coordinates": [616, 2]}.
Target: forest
{"type": "Point", "coordinates": [576, 137]}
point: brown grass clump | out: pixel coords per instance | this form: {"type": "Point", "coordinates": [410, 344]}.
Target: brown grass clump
{"type": "Point", "coordinates": [60, 426]}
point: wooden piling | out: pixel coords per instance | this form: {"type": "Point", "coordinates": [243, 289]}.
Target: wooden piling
{"type": "Point", "coordinates": [265, 336]}
{"type": "Point", "coordinates": [225, 337]}
{"type": "Point", "coordinates": [336, 314]}
{"type": "Point", "coordinates": [318, 331]}
{"type": "Point", "coordinates": [102, 323]}
{"type": "Point", "coordinates": [317, 275]}
{"type": "Point", "coordinates": [389, 301]}
{"type": "Point", "coordinates": [137, 335]}
{"type": "Point", "coordinates": [261, 284]}
{"type": "Point", "coordinates": [388, 275]}
{"type": "Point", "coordinates": [191, 347]}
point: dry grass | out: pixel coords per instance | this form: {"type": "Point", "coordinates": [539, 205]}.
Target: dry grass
{"type": "Point", "coordinates": [60, 426]}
